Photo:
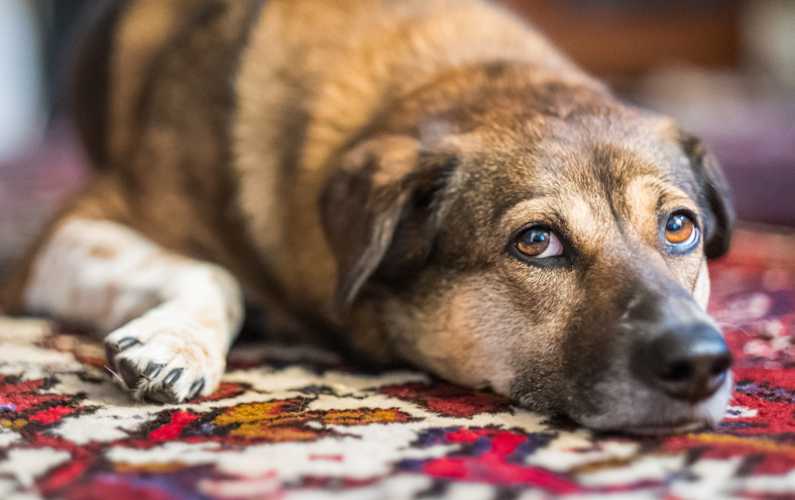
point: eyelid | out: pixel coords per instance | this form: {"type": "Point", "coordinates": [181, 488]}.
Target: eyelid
{"type": "Point", "coordinates": [551, 226]}
{"type": "Point", "coordinates": [538, 210]}
{"type": "Point", "coordinates": [687, 209]}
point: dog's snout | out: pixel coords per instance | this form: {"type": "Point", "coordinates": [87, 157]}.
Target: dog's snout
{"type": "Point", "coordinates": [688, 362]}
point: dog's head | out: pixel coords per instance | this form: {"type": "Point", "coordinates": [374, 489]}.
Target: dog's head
{"type": "Point", "coordinates": [542, 240]}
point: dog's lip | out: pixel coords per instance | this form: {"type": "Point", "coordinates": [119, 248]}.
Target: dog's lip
{"type": "Point", "coordinates": [664, 429]}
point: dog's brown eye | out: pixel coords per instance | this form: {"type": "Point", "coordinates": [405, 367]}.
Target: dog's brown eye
{"type": "Point", "coordinates": [681, 232]}
{"type": "Point", "coordinates": [538, 242]}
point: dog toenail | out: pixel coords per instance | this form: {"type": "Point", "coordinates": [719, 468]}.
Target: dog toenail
{"type": "Point", "coordinates": [172, 377]}
{"type": "Point", "coordinates": [128, 373]}
{"type": "Point", "coordinates": [196, 388]}
{"type": "Point", "coordinates": [126, 343]}
{"type": "Point", "coordinates": [153, 369]}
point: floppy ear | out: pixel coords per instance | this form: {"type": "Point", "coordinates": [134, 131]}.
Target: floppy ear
{"type": "Point", "coordinates": [715, 194]}
{"type": "Point", "coordinates": [381, 209]}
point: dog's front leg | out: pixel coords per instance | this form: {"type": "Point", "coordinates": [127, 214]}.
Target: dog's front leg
{"type": "Point", "coordinates": [171, 319]}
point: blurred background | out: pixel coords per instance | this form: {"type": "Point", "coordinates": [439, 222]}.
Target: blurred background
{"type": "Point", "coordinates": [724, 68]}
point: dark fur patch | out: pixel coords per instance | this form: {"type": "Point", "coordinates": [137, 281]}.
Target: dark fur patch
{"type": "Point", "coordinates": [91, 78]}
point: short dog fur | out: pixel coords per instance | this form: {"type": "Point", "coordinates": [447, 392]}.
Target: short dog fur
{"type": "Point", "coordinates": [364, 168]}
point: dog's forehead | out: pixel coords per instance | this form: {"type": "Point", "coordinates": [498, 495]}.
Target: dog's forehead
{"type": "Point", "coordinates": [611, 147]}
{"type": "Point", "coordinates": [593, 179]}
{"type": "Point", "coordinates": [594, 158]}
{"type": "Point", "coordinates": [592, 175]}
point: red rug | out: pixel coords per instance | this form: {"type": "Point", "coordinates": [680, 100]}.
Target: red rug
{"type": "Point", "coordinates": [296, 423]}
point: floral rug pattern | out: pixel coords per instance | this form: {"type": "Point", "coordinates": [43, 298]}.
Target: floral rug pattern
{"type": "Point", "coordinates": [297, 422]}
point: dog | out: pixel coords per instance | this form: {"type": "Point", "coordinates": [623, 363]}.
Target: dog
{"type": "Point", "coordinates": [428, 181]}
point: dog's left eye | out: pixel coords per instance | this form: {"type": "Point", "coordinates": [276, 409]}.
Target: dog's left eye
{"type": "Point", "coordinates": [681, 233]}
{"type": "Point", "coordinates": [538, 242]}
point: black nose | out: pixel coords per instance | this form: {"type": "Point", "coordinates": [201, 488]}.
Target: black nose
{"type": "Point", "coordinates": [689, 362]}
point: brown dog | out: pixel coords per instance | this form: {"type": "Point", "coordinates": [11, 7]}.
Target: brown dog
{"type": "Point", "coordinates": [427, 178]}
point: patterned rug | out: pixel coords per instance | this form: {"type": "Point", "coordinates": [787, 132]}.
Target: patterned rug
{"type": "Point", "coordinates": [296, 422]}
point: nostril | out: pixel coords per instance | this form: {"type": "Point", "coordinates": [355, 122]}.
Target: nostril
{"type": "Point", "coordinates": [689, 362]}
{"type": "Point", "coordinates": [678, 371]}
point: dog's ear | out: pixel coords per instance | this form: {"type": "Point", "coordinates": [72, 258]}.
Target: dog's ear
{"type": "Point", "coordinates": [715, 197]}
{"type": "Point", "coordinates": [381, 209]}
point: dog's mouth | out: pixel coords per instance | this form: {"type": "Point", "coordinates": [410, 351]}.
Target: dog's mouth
{"type": "Point", "coordinates": [642, 430]}
{"type": "Point", "coordinates": [664, 429]}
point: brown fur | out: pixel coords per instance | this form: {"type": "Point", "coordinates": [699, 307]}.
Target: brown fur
{"type": "Point", "coordinates": [364, 164]}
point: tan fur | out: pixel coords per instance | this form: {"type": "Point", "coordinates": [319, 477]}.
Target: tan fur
{"type": "Point", "coordinates": [145, 28]}
{"type": "Point", "coordinates": [702, 287]}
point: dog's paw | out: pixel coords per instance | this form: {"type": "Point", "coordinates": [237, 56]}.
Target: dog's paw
{"type": "Point", "coordinates": [165, 360]}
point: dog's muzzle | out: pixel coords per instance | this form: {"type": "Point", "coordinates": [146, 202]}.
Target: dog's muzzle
{"type": "Point", "coordinates": [677, 349]}
{"type": "Point", "coordinates": [662, 366]}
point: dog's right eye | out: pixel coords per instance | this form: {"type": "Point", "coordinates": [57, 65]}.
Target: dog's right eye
{"type": "Point", "coordinates": [681, 233]}
{"type": "Point", "coordinates": [538, 242]}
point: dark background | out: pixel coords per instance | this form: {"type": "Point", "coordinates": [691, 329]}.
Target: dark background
{"type": "Point", "coordinates": [724, 68]}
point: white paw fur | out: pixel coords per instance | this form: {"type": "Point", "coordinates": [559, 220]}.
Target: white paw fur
{"type": "Point", "coordinates": [171, 318]}
{"type": "Point", "coordinates": [165, 356]}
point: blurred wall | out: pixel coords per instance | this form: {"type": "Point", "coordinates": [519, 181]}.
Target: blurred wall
{"type": "Point", "coordinates": [22, 106]}
{"type": "Point", "coordinates": [618, 39]}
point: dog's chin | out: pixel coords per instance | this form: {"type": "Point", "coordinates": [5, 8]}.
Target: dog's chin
{"type": "Point", "coordinates": [645, 413]}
